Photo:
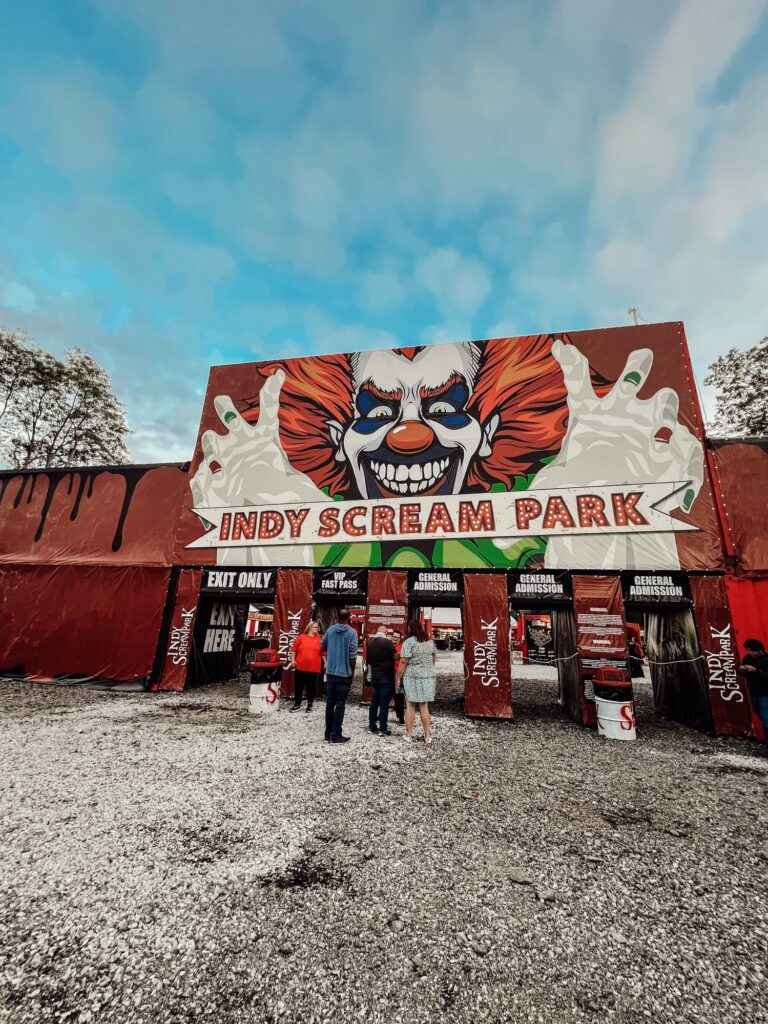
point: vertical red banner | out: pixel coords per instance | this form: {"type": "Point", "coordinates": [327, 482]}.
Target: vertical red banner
{"type": "Point", "coordinates": [728, 696]}
{"type": "Point", "coordinates": [178, 647]}
{"type": "Point", "coordinates": [487, 681]}
{"type": "Point", "coordinates": [387, 605]}
{"type": "Point", "coordinates": [293, 608]}
{"type": "Point", "coordinates": [601, 632]}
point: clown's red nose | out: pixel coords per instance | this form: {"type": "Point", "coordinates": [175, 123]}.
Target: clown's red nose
{"type": "Point", "coordinates": [410, 437]}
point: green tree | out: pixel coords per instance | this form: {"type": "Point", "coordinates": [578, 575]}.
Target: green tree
{"type": "Point", "coordinates": [741, 379]}
{"type": "Point", "coordinates": [56, 412]}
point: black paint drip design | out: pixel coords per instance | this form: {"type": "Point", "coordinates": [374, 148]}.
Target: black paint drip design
{"type": "Point", "coordinates": [20, 494]}
{"type": "Point", "coordinates": [86, 479]}
{"type": "Point", "coordinates": [130, 487]}
{"type": "Point", "coordinates": [53, 483]}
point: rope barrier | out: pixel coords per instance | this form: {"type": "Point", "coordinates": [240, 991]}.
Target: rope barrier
{"type": "Point", "coordinates": [677, 661]}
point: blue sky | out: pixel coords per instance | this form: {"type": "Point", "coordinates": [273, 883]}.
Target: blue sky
{"type": "Point", "coordinates": [186, 182]}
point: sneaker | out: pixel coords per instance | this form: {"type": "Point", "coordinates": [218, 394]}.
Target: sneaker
{"type": "Point", "coordinates": [407, 738]}
{"type": "Point", "coordinates": [341, 739]}
{"type": "Point", "coordinates": [327, 739]}
{"type": "Point", "coordinates": [385, 732]}
{"type": "Point", "coordinates": [374, 730]}
{"type": "Point", "coordinates": [427, 739]}
{"type": "Point", "coordinates": [296, 707]}
{"type": "Point", "coordinates": [308, 708]}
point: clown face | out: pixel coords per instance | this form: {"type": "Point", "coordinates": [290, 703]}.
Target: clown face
{"type": "Point", "coordinates": [411, 432]}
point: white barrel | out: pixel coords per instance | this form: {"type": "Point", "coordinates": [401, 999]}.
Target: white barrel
{"type": "Point", "coordinates": [616, 719]}
{"type": "Point", "coordinates": [263, 698]}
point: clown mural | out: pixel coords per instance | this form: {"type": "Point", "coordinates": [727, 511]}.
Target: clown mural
{"type": "Point", "coordinates": [507, 415]}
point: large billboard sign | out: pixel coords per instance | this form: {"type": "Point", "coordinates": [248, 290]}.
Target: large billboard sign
{"type": "Point", "coordinates": [549, 451]}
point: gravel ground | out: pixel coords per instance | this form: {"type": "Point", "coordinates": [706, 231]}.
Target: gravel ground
{"type": "Point", "coordinates": [171, 858]}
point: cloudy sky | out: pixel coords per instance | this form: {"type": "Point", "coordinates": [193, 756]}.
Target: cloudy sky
{"type": "Point", "coordinates": [186, 182]}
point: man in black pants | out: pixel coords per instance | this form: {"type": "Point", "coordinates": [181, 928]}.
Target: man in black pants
{"type": "Point", "coordinates": [380, 659]}
{"type": "Point", "coordinates": [340, 645]}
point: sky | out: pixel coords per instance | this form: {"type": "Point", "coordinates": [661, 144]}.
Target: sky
{"type": "Point", "coordinates": [190, 182]}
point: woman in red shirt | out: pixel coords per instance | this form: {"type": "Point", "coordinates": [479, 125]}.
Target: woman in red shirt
{"type": "Point", "coordinates": [306, 661]}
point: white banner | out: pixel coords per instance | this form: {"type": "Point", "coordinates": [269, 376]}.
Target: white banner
{"type": "Point", "coordinates": [571, 511]}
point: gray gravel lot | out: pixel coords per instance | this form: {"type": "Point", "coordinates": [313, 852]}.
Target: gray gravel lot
{"type": "Point", "coordinates": [171, 858]}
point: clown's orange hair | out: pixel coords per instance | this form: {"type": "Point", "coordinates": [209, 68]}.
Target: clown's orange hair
{"type": "Point", "coordinates": [521, 382]}
{"type": "Point", "coordinates": [518, 380]}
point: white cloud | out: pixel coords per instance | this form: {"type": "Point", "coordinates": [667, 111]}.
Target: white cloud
{"type": "Point", "coordinates": [67, 119]}
{"type": "Point", "coordinates": [648, 143]}
{"type": "Point", "coordinates": [457, 283]}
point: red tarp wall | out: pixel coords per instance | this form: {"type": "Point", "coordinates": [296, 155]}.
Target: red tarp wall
{"type": "Point", "coordinates": [85, 560]}
{"type": "Point", "coordinates": [741, 467]}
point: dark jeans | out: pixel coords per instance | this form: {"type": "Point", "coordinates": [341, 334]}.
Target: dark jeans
{"type": "Point", "coordinates": [378, 709]}
{"type": "Point", "coordinates": [337, 691]}
{"type": "Point", "coordinates": [760, 704]}
{"type": "Point", "coordinates": [304, 681]}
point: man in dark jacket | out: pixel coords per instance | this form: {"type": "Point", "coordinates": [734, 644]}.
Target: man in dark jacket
{"type": "Point", "coordinates": [380, 660]}
{"type": "Point", "coordinates": [754, 666]}
{"type": "Point", "coordinates": [340, 645]}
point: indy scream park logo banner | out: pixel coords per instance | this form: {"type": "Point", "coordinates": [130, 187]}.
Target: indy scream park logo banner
{"type": "Point", "coordinates": [513, 452]}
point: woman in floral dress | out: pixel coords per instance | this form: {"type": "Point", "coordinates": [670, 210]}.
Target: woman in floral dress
{"type": "Point", "coordinates": [416, 671]}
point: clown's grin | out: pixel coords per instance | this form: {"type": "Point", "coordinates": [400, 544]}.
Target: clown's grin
{"type": "Point", "coordinates": [392, 479]}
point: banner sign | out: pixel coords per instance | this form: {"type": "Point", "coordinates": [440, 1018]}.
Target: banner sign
{"type": "Point", "coordinates": [179, 645]}
{"type": "Point", "coordinates": [433, 584]}
{"type": "Point", "coordinates": [728, 695]}
{"type": "Point", "coordinates": [600, 628]}
{"type": "Point", "coordinates": [540, 643]}
{"type": "Point", "coordinates": [545, 587]}
{"type": "Point", "coordinates": [487, 682]}
{"type": "Point", "coordinates": [601, 633]}
{"type": "Point", "coordinates": [340, 582]}
{"type": "Point", "coordinates": [387, 606]}
{"type": "Point", "coordinates": [293, 608]}
{"type": "Point", "coordinates": [655, 588]}
{"type": "Point", "coordinates": [567, 511]}
{"type": "Point", "coordinates": [259, 582]}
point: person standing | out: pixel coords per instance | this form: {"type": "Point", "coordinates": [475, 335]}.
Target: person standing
{"type": "Point", "coordinates": [417, 672]}
{"type": "Point", "coordinates": [397, 640]}
{"type": "Point", "coordinates": [380, 658]}
{"type": "Point", "coordinates": [754, 666]}
{"type": "Point", "coordinates": [306, 661]}
{"type": "Point", "coordinates": [340, 645]}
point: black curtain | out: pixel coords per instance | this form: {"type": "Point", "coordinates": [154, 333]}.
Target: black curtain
{"type": "Point", "coordinates": [568, 675]}
{"type": "Point", "coordinates": [215, 666]}
{"type": "Point", "coordinates": [677, 674]}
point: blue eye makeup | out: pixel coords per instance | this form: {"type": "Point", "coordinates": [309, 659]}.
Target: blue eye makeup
{"type": "Point", "coordinates": [374, 412]}
{"type": "Point", "coordinates": [448, 409]}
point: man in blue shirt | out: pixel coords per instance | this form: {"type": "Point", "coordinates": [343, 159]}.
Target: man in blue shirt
{"type": "Point", "coordinates": [340, 645]}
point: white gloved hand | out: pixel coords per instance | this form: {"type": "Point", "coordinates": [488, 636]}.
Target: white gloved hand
{"type": "Point", "coordinates": [247, 466]}
{"type": "Point", "coordinates": [619, 439]}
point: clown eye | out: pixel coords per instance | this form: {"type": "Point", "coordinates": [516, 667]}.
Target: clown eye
{"type": "Point", "coordinates": [379, 412]}
{"type": "Point", "coordinates": [440, 408]}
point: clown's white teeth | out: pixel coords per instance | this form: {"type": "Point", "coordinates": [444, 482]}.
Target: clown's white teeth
{"type": "Point", "coordinates": [412, 479]}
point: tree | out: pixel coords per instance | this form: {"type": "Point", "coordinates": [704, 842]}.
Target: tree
{"type": "Point", "coordinates": [741, 379]}
{"type": "Point", "coordinates": [57, 412]}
